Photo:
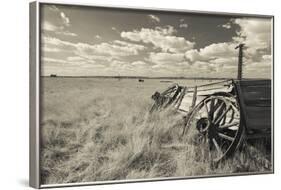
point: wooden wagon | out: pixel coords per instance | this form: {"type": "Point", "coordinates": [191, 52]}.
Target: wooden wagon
{"type": "Point", "coordinates": [224, 113]}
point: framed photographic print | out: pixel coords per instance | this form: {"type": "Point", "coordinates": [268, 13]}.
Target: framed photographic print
{"type": "Point", "coordinates": [121, 94]}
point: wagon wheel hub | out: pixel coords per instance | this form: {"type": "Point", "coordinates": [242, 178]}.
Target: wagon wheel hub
{"type": "Point", "coordinates": [212, 131]}
{"type": "Point", "coordinates": [207, 128]}
{"type": "Point", "coordinates": [203, 125]}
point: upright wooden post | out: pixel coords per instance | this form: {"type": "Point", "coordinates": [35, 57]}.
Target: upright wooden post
{"type": "Point", "coordinates": [187, 118]}
{"type": "Point", "coordinates": [240, 61]}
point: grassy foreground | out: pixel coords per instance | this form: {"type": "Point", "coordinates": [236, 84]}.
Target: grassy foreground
{"type": "Point", "coordinates": [93, 131]}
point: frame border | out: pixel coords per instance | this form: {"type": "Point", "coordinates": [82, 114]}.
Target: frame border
{"type": "Point", "coordinates": [35, 86]}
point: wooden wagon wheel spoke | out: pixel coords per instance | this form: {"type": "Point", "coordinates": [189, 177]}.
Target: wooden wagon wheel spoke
{"type": "Point", "coordinates": [226, 137]}
{"type": "Point", "coordinates": [232, 115]}
{"type": "Point", "coordinates": [223, 120]}
{"type": "Point", "coordinates": [219, 110]}
{"type": "Point", "coordinates": [169, 90]}
{"type": "Point", "coordinates": [228, 125]}
{"type": "Point", "coordinates": [220, 117]}
{"type": "Point", "coordinates": [217, 106]}
{"type": "Point", "coordinates": [206, 107]}
{"type": "Point", "coordinates": [211, 112]}
{"type": "Point", "coordinates": [217, 146]}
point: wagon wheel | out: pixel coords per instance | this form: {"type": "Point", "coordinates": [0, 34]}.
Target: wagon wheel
{"type": "Point", "coordinates": [166, 98]}
{"type": "Point", "coordinates": [215, 121]}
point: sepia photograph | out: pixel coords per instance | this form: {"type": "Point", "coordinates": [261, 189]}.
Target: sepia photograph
{"type": "Point", "coordinates": [131, 94]}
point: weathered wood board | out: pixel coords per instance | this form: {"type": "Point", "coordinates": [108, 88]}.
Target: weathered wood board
{"type": "Point", "coordinates": [255, 103]}
{"type": "Point", "coordinates": [202, 92]}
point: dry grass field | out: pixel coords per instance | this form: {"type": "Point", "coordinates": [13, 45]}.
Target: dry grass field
{"type": "Point", "coordinates": [100, 129]}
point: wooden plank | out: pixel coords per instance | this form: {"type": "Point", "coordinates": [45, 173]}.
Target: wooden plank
{"type": "Point", "coordinates": [187, 101]}
{"type": "Point", "coordinates": [256, 93]}
{"type": "Point", "coordinates": [181, 96]}
{"type": "Point", "coordinates": [252, 89]}
{"type": "Point", "coordinates": [258, 117]}
{"type": "Point", "coordinates": [194, 97]}
{"type": "Point", "coordinates": [254, 82]}
{"type": "Point", "coordinates": [259, 135]}
{"type": "Point", "coordinates": [258, 124]}
{"type": "Point", "coordinates": [258, 103]}
{"type": "Point", "coordinates": [215, 83]}
{"type": "Point", "coordinates": [206, 92]}
{"type": "Point", "coordinates": [254, 111]}
{"type": "Point", "coordinates": [191, 107]}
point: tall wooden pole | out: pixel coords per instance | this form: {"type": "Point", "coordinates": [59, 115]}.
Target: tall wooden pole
{"type": "Point", "coordinates": [240, 61]}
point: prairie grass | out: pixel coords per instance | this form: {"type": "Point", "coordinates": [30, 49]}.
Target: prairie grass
{"type": "Point", "coordinates": [97, 130]}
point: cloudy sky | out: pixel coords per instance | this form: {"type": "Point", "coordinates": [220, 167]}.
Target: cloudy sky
{"type": "Point", "coordinates": [87, 41]}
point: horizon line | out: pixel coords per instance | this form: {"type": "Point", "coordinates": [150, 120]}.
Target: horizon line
{"type": "Point", "coordinates": [144, 77]}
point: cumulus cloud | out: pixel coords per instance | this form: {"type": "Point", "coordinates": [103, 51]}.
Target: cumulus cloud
{"type": "Point", "coordinates": [162, 56]}
{"type": "Point", "coordinates": [53, 8]}
{"type": "Point", "coordinates": [122, 67]}
{"type": "Point", "coordinates": [261, 68]}
{"type": "Point", "coordinates": [218, 50]}
{"type": "Point", "coordinates": [255, 33]}
{"type": "Point", "coordinates": [98, 37]}
{"type": "Point", "coordinates": [114, 29]}
{"type": "Point", "coordinates": [223, 57]}
{"type": "Point", "coordinates": [114, 49]}
{"type": "Point", "coordinates": [230, 61]}
{"type": "Point", "coordinates": [75, 58]}
{"type": "Point", "coordinates": [173, 64]}
{"type": "Point", "coordinates": [111, 50]}
{"type": "Point", "coordinates": [65, 19]}
{"type": "Point", "coordinates": [154, 18]}
{"type": "Point", "coordinates": [48, 59]}
{"type": "Point", "coordinates": [50, 49]}
{"type": "Point", "coordinates": [62, 25]}
{"type": "Point", "coordinates": [69, 62]}
{"type": "Point", "coordinates": [265, 61]}
{"type": "Point", "coordinates": [71, 66]}
{"type": "Point", "coordinates": [227, 25]}
{"type": "Point", "coordinates": [139, 63]}
{"type": "Point", "coordinates": [183, 25]}
{"type": "Point", "coordinates": [193, 55]}
{"type": "Point", "coordinates": [49, 26]}
{"type": "Point", "coordinates": [217, 59]}
{"type": "Point", "coordinates": [66, 33]}
{"type": "Point", "coordinates": [211, 52]}
{"type": "Point", "coordinates": [267, 58]}
{"type": "Point", "coordinates": [160, 37]}
{"type": "Point", "coordinates": [50, 42]}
